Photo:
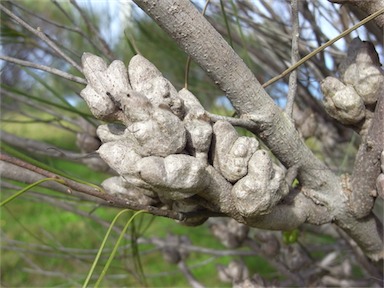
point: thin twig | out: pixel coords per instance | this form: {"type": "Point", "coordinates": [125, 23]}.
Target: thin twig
{"type": "Point", "coordinates": [321, 48]}
{"type": "Point", "coordinates": [234, 121]}
{"type": "Point", "coordinates": [31, 101]}
{"type": "Point", "coordinates": [42, 148]}
{"type": "Point", "coordinates": [61, 26]}
{"type": "Point", "coordinates": [104, 46]}
{"type": "Point", "coordinates": [132, 43]}
{"type": "Point", "coordinates": [294, 58]}
{"type": "Point", "coordinates": [275, 262]}
{"type": "Point", "coordinates": [226, 23]}
{"type": "Point", "coordinates": [68, 207]}
{"type": "Point", "coordinates": [359, 255]}
{"type": "Point", "coordinates": [92, 191]}
{"type": "Point", "coordinates": [163, 243]}
{"type": "Point", "coordinates": [62, 10]}
{"type": "Point", "coordinates": [188, 275]}
{"type": "Point", "coordinates": [42, 36]}
{"type": "Point", "coordinates": [45, 68]}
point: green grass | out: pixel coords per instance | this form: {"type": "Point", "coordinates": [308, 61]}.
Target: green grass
{"type": "Point", "coordinates": [35, 223]}
{"type": "Point", "coordinates": [23, 126]}
{"type": "Point", "coordinates": [40, 223]}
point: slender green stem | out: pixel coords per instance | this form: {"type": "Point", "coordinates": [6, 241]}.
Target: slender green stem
{"type": "Point", "coordinates": [226, 23]}
{"type": "Point", "coordinates": [39, 33]}
{"type": "Point", "coordinates": [113, 253]}
{"type": "Point", "coordinates": [322, 47]}
{"type": "Point", "coordinates": [247, 57]}
{"type": "Point", "coordinates": [86, 282]}
{"type": "Point", "coordinates": [50, 103]}
{"type": "Point", "coordinates": [17, 194]}
{"type": "Point", "coordinates": [11, 151]}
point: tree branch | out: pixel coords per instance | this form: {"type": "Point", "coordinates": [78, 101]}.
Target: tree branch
{"type": "Point", "coordinates": [367, 163]}
{"type": "Point", "coordinates": [369, 7]}
{"type": "Point", "coordinates": [92, 191]}
{"type": "Point", "coordinates": [294, 58]}
{"type": "Point", "coordinates": [245, 123]}
{"type": "Point", "coordinates": [44, 68]}
{"type": "Point", "coordinates": [104, 46]}
{"type": "Point", "coordinates": [194, 34]}
{"type": "Point", "coordinates": [42, 36]}
{"type": "Point", "coordinates": [41, 147]}
{"type": "Point", "coordinates": [325, 45]}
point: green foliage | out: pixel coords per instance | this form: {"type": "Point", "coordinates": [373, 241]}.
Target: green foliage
{"type": "Point", "coordinates": [20, 192]}
{"type": "Point", "coordinates": [290, 237]}
{"type": "Point", "coordinates": [39, 224]}
{"type": "Point", "coordinates": [114, 250]}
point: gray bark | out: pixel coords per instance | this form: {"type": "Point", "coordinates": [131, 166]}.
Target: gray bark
{"type": "Point", "coordinates": [182, 21]}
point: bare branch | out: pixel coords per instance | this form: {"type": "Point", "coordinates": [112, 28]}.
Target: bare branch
{"type": "Point", "coordinates": [104, 46]}
{"type": "Point", "coordinates": [367, 163]}
{"type": "Point", "coordinates": [369, 7]}
{"type": "Point", "coordinates": [360, 257]}
{"type": "Point", "coordinates": [46, 108]}
{"type": "Point", "coordinates": [40, 147]}
{"type": "Point", "coordinates": [45, 68]}
{"type": "Point", "coordinates": [276, 263]}
{"type": "Point", "coordinates": [92, 191]}
{"type": "Point", "coordinates": [42, 36]}
{"type": "Point", "coordinates": [322, 199]}
{"type": "Point", "coordinates": [367, 233]}
{"type": "Point", "coordinates": [234, 121]}
{"type": "Point", "coordinates": [188, 275]}
{"type": "Point", "coordinates": [61, 26]}
{"type": "Point", "coordinates": [294, 58]}
{"type": "Point", "coordinates": [246, 94]}
{"type": "Point", "coordinates": [325, 45]}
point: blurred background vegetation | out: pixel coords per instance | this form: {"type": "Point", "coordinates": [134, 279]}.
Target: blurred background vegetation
{"type": "Point", "coordinates": [50, 239]}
